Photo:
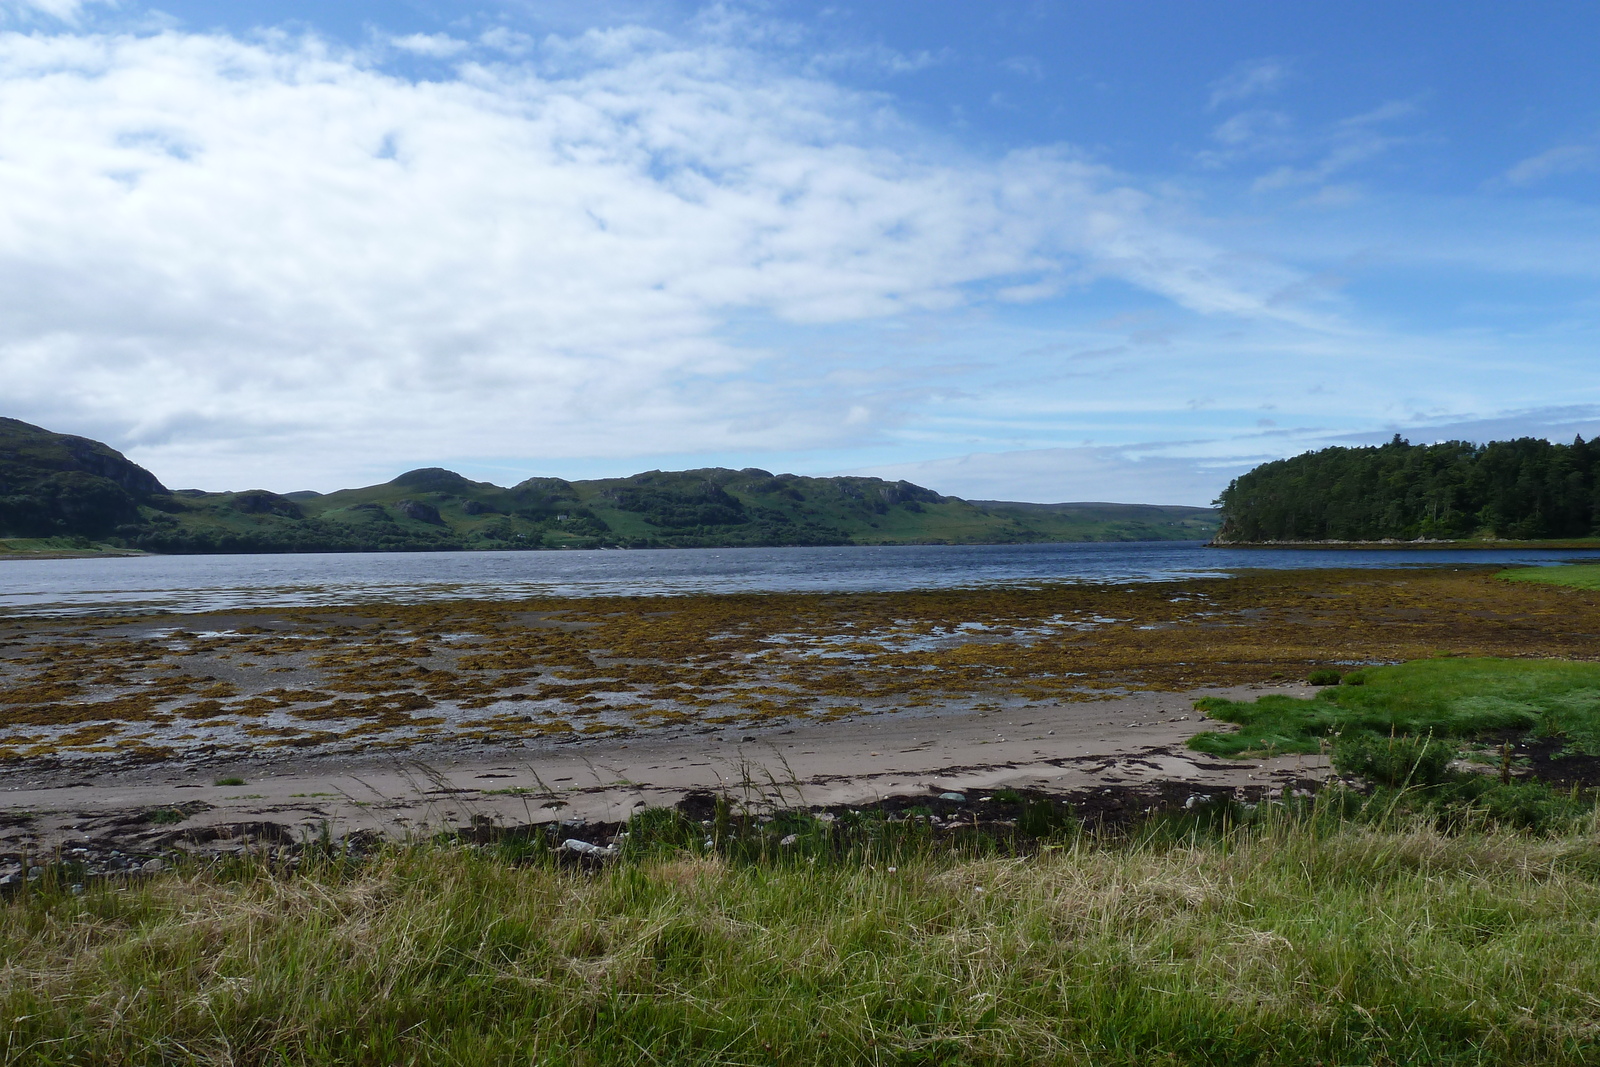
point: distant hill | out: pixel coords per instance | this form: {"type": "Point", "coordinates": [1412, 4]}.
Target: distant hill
{"type": "Point", "coordinates": [92, 491]}
{"type": "Point", "coordinates": [53, 483]}
{"type": "Point", "coordinates": [1526, 489]}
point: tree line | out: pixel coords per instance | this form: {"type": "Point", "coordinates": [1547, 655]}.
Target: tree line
{"type": "Point", "coordinates": [1524, 489]}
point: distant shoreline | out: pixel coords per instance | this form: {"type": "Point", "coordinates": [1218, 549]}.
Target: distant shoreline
{"type": "Point", "coordinates": [7, 553]}
{"type": "Point", "coordinates": [1390, 544]}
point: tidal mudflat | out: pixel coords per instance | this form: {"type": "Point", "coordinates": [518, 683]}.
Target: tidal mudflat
{"type": "Point", "coordinates": [115, 692]}
{"type": "Point", "coordinates": [392, 716]}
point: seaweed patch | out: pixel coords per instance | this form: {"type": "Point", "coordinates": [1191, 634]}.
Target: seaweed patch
{"type": "Point", "coordinates": [515, 672]}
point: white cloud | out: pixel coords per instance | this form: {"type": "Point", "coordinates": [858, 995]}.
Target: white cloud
{"type": "Point", "coordinates": [245, 259]}
{"type": "Point", "coordinates": [434, 45]}
{"type": "Point", "coordinates": [1256, 77]}
{"type": "Point", "coordinates": [506, 40]}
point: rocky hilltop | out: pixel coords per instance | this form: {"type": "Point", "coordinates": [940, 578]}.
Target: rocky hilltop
{"type": "Point", "coordinates": [58, 487]}
{"type": "Point", "coordinates": [53, 484]}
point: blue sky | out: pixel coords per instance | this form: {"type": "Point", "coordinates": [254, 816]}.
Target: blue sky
{"type": "Point", "coordinates": [1042, 251]}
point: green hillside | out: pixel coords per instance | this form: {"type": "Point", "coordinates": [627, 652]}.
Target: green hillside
{"type": "Point", "coordinates": [436, 509]}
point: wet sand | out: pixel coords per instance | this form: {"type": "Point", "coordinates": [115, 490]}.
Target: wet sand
{"type": "Point", "coordinates": [1130, 741]}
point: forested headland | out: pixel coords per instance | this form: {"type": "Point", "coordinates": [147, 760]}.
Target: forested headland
{"type": "Point", "coordinates": [1526, 489]}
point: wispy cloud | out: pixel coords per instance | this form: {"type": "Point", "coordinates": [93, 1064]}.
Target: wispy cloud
{"type": "Point", "coordinates": [1563, 159]}
{"type": "Point", "coordinates": [67, 11]}
{"type": "Point", "coordinates": [1335, 149]}
{"type": "Point", "coordinates": [1065, 475]}
{"type": "Point", "coordinates": [1024, 67]}
{"type": "Point", "coordinates": [1554, 423]}
{"type": "Point", "coordinates": [1257, 77]}
{"type": "Point", "coordinates": [877, 58]}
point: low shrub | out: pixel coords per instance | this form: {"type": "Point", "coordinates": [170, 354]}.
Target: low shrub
{"type": "Point", "coordinates": [1474, 799]}
{"type": "Point", "coordinates": [1393, 761]}
{"type": "Point", "coordinates": [1324, 676]}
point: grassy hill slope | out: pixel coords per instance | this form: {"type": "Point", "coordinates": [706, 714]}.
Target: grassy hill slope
{"type": "Point", "coordinates": [436, 509]}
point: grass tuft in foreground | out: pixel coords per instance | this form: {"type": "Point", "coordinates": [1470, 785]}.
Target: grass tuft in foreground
{"type": "Point", "coordinates": [1300, 938]}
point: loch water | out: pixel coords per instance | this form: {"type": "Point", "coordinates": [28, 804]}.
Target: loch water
{"type": "Point", "coordinates": [226, 582]}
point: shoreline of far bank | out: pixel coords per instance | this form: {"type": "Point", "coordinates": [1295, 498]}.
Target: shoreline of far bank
{"type": "Point", "coordinates": [1419, 544]}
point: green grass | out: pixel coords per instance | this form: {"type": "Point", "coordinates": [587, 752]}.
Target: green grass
{"type": "Point", "coordinates": [1456, 698]}
{"type": "Point", "coordinates": [1576, 575]}
{"type": "Point", "coordinates": [54, 546]}
{"type": "Point", "coordinates": [1293, 941]}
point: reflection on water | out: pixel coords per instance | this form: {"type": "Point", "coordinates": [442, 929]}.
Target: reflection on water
{"type": "Point", "coordinates": [208, 583]}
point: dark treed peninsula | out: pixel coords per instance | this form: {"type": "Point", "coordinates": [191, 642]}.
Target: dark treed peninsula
{"type": "Point", "coordinates": [60, 493]}
{"type": "Point", "coordinates": [1526, 489]}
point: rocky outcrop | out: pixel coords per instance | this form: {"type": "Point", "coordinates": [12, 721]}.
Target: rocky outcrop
{"type": "Point", "coordinates": [261, 502]}
{"type": "Point", "coordinates": [29, 452]}
{"type": "Point", "coordinates": [416, 509]}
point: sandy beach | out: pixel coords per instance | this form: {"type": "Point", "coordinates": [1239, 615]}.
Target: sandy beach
{"type": "Point", "coordinates": [1129, 742]}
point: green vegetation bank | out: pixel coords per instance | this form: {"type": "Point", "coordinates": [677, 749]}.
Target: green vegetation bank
{"type": "Point", "coordinates": [1526, 489]}
{"type": "Point", "coordinates": [1418, 913]}
{"type": "Point", "coordinates": [62, 493]}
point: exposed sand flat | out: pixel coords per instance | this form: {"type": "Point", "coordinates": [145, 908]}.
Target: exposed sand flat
{"type": "Point", "coordinates": [1058, 748]}
{"type": "Point", "coordinates": [405, 718]}
{"type": "Point", "coordinates": [343, 681]}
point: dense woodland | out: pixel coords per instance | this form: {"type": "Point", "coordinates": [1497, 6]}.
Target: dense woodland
{"type": "Point", "coordinates": [1527, 488]}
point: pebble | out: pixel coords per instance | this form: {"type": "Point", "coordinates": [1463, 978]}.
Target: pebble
{"type": "Point", "coordinates": [790, 839]}
{"type": "Point", "coordinates": [584, 848]}
{"type": "Point", "coordinates": [153, 866]}
{"type": "Point", "coordinates": [959, 798]}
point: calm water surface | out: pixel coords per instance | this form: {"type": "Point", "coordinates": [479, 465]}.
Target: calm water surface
{"type": "Point", "coordinates": [208, 583]}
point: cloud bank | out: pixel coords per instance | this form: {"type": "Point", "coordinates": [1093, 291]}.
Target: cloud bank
{"type": "Point", "coordinates": [280, 261]}
{"type": "Point", "coordinates": [280, 239]}
{"type": "Point", "coordinates": [235, 249]}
